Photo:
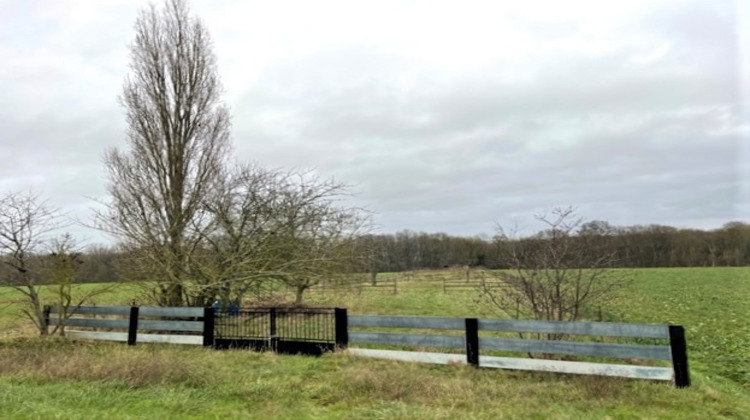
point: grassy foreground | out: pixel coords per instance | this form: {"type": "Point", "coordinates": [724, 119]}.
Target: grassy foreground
{"type": "Point", "coordinates": [56, 378]}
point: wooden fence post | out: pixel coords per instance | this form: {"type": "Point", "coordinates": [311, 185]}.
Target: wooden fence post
{"type": "Point", "coordinates": [472, 341]}
{"type": "Point", "coordinates": [208, 326]}
{"type": "Point", "coordinates": [678, 347]}
{"type": "Point", "coordinates": [133, 326]}
{"type": "Point", "coordinates": [342, 327]}
{"type": "Point", "coordinates": [45, 316]}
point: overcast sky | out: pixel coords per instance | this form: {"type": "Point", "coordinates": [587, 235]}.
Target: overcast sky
{"type": "Point", "coordinates": [443, 116]}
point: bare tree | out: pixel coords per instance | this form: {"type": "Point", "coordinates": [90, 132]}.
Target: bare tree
{"type": "Point", "coordinates": [278, 226]}
{"type": "Point", "coordinates": [61, 268]}
{"type": "Point", "coordinates": [178, 140]}
{"type": "Point", "coordinates": [236, 245]}
{"type": "Point", "coordinates": [556, 273]}
{"type": "Point", "coordinates": [35, 263]}
{"type": "Point", "coordinates": [25, 224]}
{"type": "Point", "coordinates": [318, 237]}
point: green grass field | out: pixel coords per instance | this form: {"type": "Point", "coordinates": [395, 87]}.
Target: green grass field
{"type": "Point", "coordinates": [56, 378]}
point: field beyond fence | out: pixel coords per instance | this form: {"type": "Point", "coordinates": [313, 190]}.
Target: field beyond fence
{"type": "Point", "coordinates": [54, 378]}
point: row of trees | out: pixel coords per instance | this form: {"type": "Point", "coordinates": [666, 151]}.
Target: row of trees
{"type": "Point", "coordinates": [632, 246]}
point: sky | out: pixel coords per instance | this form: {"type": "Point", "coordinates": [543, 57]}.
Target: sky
{"type": "Point", "coordinates": [443, 116]}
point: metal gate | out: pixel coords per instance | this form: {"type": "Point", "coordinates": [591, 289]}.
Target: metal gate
{"type": "Point", "coordinates": [288, 330]}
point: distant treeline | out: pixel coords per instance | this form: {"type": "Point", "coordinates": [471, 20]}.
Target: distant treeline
{"type": "Point", "coordinates": [633, 246]}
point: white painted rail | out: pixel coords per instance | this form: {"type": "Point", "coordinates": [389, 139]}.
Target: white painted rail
{"type": "Point", "coordinates": [540, 365]}
{"type": "Point", "coordinates": [142, 338]}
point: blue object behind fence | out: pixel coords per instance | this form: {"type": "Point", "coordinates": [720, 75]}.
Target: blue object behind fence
{"type": "Point", "coordinates": [232, 309]}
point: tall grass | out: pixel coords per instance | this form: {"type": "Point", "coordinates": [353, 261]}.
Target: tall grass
{"type": "Point", "coordinates": [68, 379]}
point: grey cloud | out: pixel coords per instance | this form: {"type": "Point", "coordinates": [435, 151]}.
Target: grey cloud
{"type": "Point", "coordinates": [448, 145]}
{"type": "Point", "coordinates": [644, 131]}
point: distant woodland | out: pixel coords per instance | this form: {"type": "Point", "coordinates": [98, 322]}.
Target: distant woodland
{"type": "Point", "coordinates": [633, 246]}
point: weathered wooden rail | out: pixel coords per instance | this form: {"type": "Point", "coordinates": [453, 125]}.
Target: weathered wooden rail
{"type": "Point", "coordinates": [388, 285]}
{"type": "Point", "coordinates": [480, 283]}
{"type": "Point", "coordinates": [472, 342]}
{"type": "Point", "coordinates": [191, 325]}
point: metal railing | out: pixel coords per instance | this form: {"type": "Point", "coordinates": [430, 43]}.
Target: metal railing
{"type": "Point", "coordinates": [284, 329]}
{"type": "Point", "coordinates": [299, 324]}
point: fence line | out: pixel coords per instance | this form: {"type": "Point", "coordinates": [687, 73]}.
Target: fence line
{"type": "Point", "coordinates": [314, 330]}
{"type": "Point", "coordinates": [675, 351]}
{"type": "Point", "coordinates": [199, 321]}
{"type": "Point", "coordinates": [385, 285]}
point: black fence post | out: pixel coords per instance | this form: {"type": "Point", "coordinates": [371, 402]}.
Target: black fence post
{"type": "Point", "coordinates": [472, 341]}
{"type": "Point", "coordinates": [45, 316]}
{"type": "Point", "coordinates": [208, 326]}
{"type": "Point", "coordinates": [342, 327]}
{"type": "Point", "coordinates": [133, 326]}
{"type": "Point", "coordinates": [272, 339]}
{"type": "Point", "coordinates": [678, 346]}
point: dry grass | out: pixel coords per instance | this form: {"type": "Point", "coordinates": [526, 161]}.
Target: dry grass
{"type": "Point", "coordinates": [55, 359]}
{"type": "Point", "coordinates": [193, 382]}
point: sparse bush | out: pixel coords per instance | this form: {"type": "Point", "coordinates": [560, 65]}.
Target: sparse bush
{"type": "Point", "coordinates": [555, 274]}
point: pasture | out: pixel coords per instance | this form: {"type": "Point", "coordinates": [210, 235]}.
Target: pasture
{"type": "Point", "coordinates": [47, 378]}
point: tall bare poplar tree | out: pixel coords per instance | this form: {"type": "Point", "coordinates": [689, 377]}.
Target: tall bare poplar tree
{"type": "Point", "coordinates": [178, 138]}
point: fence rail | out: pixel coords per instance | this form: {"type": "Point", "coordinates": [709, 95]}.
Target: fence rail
{"type": "Point", "coordinates": [137, 320]}
{"type": "Point", "coordinates": [481, 283]}
{"type": "Point", "coordinates": [389, 285]}
{"type": "Point", "coordinates": [472, 343]}
{"type": "Point", "coordinates": [603, 329]}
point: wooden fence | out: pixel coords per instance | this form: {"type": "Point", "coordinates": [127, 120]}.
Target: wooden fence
{"type": "Point", "coordinates": [283, 330]}
{"type": "Point", "coordinates": [472, 342]}
{"type": "Point", "coordinates": [387, 285]}
{"type": "Point", "coordinates": [199, 325]}
{"type": "Point", "coordinates": [165, 324]}
{"type": "Point", "coordinates": [474, 284]}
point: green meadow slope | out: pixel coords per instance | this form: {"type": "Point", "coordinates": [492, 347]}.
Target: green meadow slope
{"type": "Point", "coordinates": [58, 378]}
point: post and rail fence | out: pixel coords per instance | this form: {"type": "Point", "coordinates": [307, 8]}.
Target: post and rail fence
{"type": "Point", "coordinates": [471, 342]}
{"type": "Point", "coordinates": [284, 330]}
{"type": "Point", "coordinates": [132, 324]}
{"type": "Point", "coordinates": [317, 330]}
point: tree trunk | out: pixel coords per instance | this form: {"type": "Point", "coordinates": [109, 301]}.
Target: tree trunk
{"type": "Point", "coordinates": [298, 294]}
